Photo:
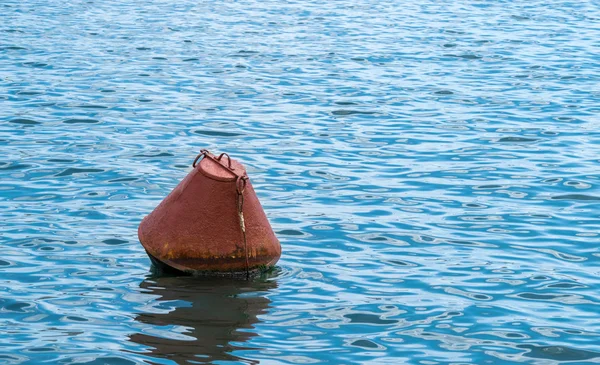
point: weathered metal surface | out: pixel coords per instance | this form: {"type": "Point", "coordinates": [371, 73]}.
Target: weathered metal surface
{"type": "Point", "coordinates": [199, 227]}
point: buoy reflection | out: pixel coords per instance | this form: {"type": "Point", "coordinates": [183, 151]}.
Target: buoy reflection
{"type": "Point", "coordinates": [219, 315]}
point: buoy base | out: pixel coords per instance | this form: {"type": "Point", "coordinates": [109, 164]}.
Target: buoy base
{"type": "Point", "coordinates": [160, 267]}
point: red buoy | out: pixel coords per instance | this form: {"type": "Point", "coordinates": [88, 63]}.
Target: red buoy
{"type": "Point", "coordinates": [211, 223]}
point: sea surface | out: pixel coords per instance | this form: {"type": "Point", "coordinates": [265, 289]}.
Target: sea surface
{"type": "Point", "coordinates": [431, 168]}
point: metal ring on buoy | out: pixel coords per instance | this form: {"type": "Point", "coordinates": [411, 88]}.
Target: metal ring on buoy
{"type": "Point", "coordinates": [228, 159]}
{"type": "Point", "coordinates": [201, 154]}
{"type": "Point", "coordinates": [240, 184]}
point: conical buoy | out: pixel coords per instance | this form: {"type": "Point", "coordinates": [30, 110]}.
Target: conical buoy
{"type": "Point", "coordinates": [211, 223]}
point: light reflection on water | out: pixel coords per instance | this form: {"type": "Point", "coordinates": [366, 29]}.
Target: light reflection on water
{"type": "Point", "coordinates": [430, 168]}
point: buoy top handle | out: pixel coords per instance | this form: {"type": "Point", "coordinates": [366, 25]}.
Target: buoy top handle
{"type": "Point", "coordinates": [201, 154]}
{"type": "Point", "coordinates": [228, 159]}
{"type": "Point", "coordinates": [229, 166]}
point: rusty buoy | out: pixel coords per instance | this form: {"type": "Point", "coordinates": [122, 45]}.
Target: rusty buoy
{"type": "Point", "coordinates": [211, 223]}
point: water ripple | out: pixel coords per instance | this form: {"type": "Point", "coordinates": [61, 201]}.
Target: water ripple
{"type": "Point", "coordinates": [430, 169]}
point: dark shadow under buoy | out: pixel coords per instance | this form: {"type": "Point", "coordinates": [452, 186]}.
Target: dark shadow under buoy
{"type": "Point", "coordinates": [219, 315]}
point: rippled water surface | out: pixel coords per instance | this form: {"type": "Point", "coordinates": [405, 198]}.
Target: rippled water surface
{"type": "Point", "coordinates": [430, 167]}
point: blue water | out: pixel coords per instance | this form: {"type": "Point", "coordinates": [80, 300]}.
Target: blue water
{"type": "Point", "coordinates": [431, 169]}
